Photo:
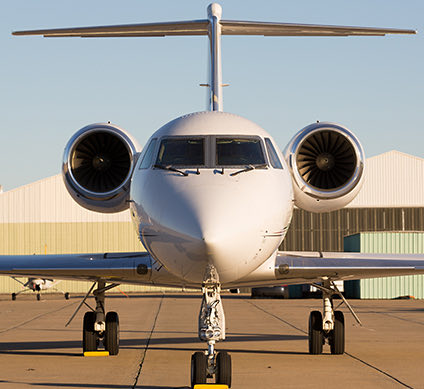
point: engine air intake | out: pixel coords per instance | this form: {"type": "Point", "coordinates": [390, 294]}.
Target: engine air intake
{"type": "Point", "coordinates": [326, 160]}
{"type": "Point", "coordinates": [100, 162]}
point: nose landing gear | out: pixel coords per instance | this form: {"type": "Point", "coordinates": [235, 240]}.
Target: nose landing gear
{"type": "Point", "coordinates": [210, 363]}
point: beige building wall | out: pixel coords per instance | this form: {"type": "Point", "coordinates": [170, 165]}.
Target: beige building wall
{"type": "Point", "coordinates": [41, 218]}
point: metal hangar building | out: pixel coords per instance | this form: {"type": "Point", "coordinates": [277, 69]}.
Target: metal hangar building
{"type": "Point", "coordinates": [42, 218]}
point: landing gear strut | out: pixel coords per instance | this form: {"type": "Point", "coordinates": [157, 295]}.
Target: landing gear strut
{"type": "Point", "coordinates": [206, 364]}
{"type": "Point", "coordinates": [100, 326]}
{"type": "Point", "coordinates": [97, 325]}
{"type": "Point", "coordinates": [330, 326]}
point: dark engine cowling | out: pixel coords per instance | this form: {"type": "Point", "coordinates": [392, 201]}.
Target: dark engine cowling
{"type": "Point", "coordinates": [327, 165]}
{"type": "Point", "coordinates": [98, 163]}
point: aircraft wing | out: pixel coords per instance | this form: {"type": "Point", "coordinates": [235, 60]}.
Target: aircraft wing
{"type": "Point", "coordinates": [201, 27]}
{"type": "Point", "coordinates": [129, 268]}
{"type": "Point", "coordinates": [299, 267]}
{"type": "Point", "coordinates": [287, 267]}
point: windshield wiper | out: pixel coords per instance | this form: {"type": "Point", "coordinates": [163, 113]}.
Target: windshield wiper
{"type": "Point", "coordinates": [248, 168]}
{"type": "Point", "coordinates": [169, 167]}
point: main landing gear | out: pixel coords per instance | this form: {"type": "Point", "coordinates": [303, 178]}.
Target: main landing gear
{"type": "Point", "coordinates": [210, 363]}
{"type": "Point", "coordinates": [328, 327]}
{"type": "Point", "coordinates": [99, 325]}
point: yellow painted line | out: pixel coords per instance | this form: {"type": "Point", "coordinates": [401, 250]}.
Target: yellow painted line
{"type": "Point", "coordinates": [208, 386]}
{"type": "Point", "coordinates": [96, 353]}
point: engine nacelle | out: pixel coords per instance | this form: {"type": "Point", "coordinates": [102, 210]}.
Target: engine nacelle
{"type": "Point", "coordinates": [98, 163]}
{"type": "Point", "coordinates": [327, 165]}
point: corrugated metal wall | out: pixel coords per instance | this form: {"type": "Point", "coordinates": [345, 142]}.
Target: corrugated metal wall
{"type": "Point", "coordinates": [325, 231]}
{"type": "Point", "coordinates": [68, 238]}
{"type": "Point", "coordinates": [391, 243]}
{"type": "Point", "coordinates": [392, 179]}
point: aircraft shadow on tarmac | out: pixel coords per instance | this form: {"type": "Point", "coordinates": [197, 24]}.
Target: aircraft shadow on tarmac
{"type": "Point", "coordinates": [60, 347]}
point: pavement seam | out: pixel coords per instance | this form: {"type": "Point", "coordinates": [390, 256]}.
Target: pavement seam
{"type": "Point", "coordinates": [276, 317]}
{"type": "Point", "coordinates": [35, 318]}
{"type": "Point", "coordinates": [397, 317]}
{"type": "Point", "coordinates": [345, 353]}
{"type": "Point", "coordinates": [140, 367]}
{"type": "Point", "coordinates": [379, 370]}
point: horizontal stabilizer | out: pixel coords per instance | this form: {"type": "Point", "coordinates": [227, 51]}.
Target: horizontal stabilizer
{"type": "Point", "coordinates": [201, 27]}
{"type": "Point", "coordinates": [230, 27]}
{"type": "Point", "coordinates": [191, 27]}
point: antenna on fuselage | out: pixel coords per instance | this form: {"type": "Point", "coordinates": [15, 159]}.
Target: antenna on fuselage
{"type": "Point", "coordinates": [214, 27]}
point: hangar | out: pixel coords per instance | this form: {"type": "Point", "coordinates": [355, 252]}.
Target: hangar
{"type": "Point", "coordinates": [391, 199]}
{"type": "Point", "coordinates": [42, 218]}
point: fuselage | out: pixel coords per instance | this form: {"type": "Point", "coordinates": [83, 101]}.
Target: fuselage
{"type": "Point", "coordinates": [229, 203]}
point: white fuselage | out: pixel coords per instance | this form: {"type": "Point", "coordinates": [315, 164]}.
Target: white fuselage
{"type": "Point", "coordinates": [210, 217]}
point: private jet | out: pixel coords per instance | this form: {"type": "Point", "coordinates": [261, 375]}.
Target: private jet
{"type": "Point", "coordinates": [211, 197]}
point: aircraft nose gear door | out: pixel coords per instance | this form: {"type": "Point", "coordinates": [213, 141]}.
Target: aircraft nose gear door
{"type": "Point", "coordinates": [206, 364]}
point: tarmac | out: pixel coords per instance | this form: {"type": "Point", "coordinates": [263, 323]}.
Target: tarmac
{"type": "Point", "coordinates": [267, 340]}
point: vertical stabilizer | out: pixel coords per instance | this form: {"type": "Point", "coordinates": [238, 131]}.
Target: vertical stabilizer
{"type": "Point", "coordinates": [215, 67]}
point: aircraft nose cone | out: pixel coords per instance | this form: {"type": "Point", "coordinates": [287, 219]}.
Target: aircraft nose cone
{"type": "Point", "coordinates": [231, 232]}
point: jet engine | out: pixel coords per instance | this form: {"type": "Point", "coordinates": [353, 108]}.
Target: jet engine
{"type": "Point", "coordinates": [326, 162]}
{"type": "Point", "coordinates": [98, 163]}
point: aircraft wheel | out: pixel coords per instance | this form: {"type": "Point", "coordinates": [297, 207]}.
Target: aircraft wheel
{"type": "Point", "coordinates": [223, 369]}
{"type": "Point", "coordinates": [199, 366]}
{"type": "Point", "coordinates": [13, 296]}
{"type": "Point", "coordinates": [337, 335]}
{"type": "Point", "coordinates": [67, 295]}
{"type": "Point", "coordinates": [89, 336]}
{"type": "Point", "coordinates": [112, 333]}
{"type": "Point", "coordinates": [38, 297]}
{"type": "Point", "coordinates": [316, 337]}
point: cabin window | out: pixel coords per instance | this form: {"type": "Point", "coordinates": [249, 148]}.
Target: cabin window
{"type": "Point", "coordinates": [181, 152]}
{"type": "Point", "coordinates": [147, 157]}
{"type": "Point", "coordinates": [239, 152]}
{"type": "Point", "coordinates": [273, 156]}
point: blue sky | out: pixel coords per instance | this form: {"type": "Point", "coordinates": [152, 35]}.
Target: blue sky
{"type": "Point", "coordinates": [52, 87]}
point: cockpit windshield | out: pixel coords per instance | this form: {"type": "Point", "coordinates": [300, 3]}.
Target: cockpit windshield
{"type": "Point", "coordinates": [239, 152]}
{"type": "Point", "coordinates": [181, 152]}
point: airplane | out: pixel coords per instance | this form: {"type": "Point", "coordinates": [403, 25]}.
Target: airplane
{"type": "Point", "coordinates": [37, 285]}
{"type": "Point", "coordinates": [211, 197]}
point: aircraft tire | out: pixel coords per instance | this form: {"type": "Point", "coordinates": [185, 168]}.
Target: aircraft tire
{"type": "Point", "coordinates": [67, 296]}
{"type": "Point", "coordinates": [112, 333]}
{"type": "Point", "coordinates": [316, 336]}
{"type": "Point", "coordinates": [199, 366]}
{"type": "Point", "coordinates": [337, 336]}
{"type": "Point", "coordinates": [38, 297]}
{"type": "Point", "coordinates": [13, 296]}
{"type": "Point", "coordinates": [223, 369]}
{"type": "Point", "coordinates": [89, 336]}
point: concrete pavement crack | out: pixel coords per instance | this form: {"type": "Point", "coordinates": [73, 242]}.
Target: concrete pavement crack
{"type": "Point", "coordinates": [143, 356]}
{"type": "Point", "coordinates": [347, 354]}
{"type": "Point", "coordinates": [37, 317]}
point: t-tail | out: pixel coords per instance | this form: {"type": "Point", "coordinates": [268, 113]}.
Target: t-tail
{"type": "Point", "coordinates": [213, 27]}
